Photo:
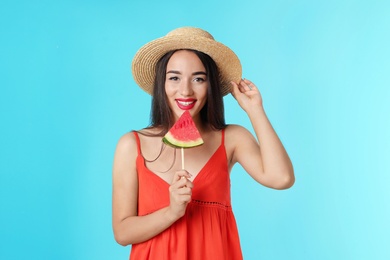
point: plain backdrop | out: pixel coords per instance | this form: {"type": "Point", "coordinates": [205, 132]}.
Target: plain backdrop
{"type": "Point", "coordinates": [67, 95]}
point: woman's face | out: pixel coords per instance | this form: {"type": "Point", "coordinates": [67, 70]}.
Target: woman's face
{"type": "Point", "coordinates": [186, 84]}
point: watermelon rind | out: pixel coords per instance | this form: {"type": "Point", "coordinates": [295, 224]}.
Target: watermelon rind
{"type": "Point", "coordinates": [170, 140]}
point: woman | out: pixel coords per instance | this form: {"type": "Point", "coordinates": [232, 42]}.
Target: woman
{"type": "Point", "coordinates": [166, 212]}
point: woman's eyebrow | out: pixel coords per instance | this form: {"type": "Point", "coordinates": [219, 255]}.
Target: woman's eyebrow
{"type": "Point", "coordinates": [195, 73]}
{"type": "Point", "coordinates": [200, 73]}
{"type": "Point", "coordinates": [174, 72]}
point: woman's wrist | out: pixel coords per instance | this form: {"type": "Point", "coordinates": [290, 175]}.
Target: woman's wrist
{"type": "Point", "coordinates": [170, 215]}
{"type": "Point", "coordinates": [255, 111]}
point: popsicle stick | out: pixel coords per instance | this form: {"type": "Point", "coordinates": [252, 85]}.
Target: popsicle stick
{"type": "Point", "coordinates": [182, 158]}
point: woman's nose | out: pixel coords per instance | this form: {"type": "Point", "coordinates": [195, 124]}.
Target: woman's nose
{"type": "Point", "coordinates": [186, 88]}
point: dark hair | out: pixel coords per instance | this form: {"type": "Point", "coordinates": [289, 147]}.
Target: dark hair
{"type": "Point", "coordinates": [213, 111]}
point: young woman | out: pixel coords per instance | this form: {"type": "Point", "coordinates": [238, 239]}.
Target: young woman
{"type": "Point", "coordinates": [166, 212]}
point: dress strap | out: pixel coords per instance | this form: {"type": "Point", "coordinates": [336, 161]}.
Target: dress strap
{"type": "Point", "coordinates": [138, 142]}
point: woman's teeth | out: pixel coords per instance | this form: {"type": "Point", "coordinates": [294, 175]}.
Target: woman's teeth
{"type": "Point", "coordinates": [185, 103]}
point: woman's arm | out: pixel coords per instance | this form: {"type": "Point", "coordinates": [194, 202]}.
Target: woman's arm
{"type": "Point", "coordinates": [128, 227]}
{"type": "Point", "coordinates": [265, 160]}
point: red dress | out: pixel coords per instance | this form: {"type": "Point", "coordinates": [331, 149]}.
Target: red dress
{"type": "Point", "coordinates": [208, 229]}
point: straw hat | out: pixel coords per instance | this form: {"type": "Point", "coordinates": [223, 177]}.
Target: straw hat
{"type": "Point", "coordinates": [145, 60]}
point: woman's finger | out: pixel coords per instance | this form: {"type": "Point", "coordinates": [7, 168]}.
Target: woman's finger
{"type": "Point", "coordinates": [246, 85]}
{"type": "Point", "coordinates": [180, 174]}
{"type": "Point", "coordinates": [250, 84]}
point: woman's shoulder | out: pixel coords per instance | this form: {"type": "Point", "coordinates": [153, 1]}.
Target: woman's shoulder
{"type": "Point", "coordinates": [127, 142]}
{"type": "Point", "coordinates": [236, 135]}
{"type": "Point", "coordinates": [235, 130]}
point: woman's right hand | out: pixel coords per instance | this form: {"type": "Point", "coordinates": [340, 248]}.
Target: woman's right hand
{"type": "Point", "coordinates": [180, 193]}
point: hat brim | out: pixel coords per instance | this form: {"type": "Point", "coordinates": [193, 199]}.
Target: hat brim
{"type": "Point", "coordinates": [145, 60]}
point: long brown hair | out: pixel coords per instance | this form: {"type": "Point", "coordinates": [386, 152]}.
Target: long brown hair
{"type": "Point", "coordinates": [213, 111]}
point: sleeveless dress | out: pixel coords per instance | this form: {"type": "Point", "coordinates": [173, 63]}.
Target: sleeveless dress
{"type": "Point", "coordinates": [208, 229]}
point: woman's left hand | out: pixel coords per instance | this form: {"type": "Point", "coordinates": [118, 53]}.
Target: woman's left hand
{"type": "Point", "coordinates": [246, 94]}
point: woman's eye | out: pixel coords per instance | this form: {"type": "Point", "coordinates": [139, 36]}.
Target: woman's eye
{"type": "Point", "coordinates": [199, 80]}
{"type": "Point", "coordinates": [173, 78]}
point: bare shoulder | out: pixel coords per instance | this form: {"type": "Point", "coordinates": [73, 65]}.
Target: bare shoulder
{"type": "Point", "coordinates": [127, 145]}
{"type": "Point", "coordinates": [236, 133]}
{"type": "Point", "coordinates": [125, 153]}
{"type": "Point", "coordinates": [127, 141]}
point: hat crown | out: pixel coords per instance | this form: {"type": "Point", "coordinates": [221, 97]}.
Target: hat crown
{"type": "Point", "coordinates": [190, 32]}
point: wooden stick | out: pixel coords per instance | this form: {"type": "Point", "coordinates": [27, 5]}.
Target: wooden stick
{"type": "Point", "coordinates": [182, 158]}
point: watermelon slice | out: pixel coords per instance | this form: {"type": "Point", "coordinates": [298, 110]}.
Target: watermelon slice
{"type": "Point", "coordinates": [183, 133]}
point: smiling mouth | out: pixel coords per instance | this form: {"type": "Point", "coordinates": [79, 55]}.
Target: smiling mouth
{"type": "Point", "coordinates": [185, 104]}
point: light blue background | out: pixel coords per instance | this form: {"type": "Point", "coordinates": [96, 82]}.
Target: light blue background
{"type": "Point", "coordinates": [67, 95]}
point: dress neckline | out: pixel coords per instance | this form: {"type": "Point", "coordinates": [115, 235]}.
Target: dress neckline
{"type": "Point", "coordinates": [221, 146]}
